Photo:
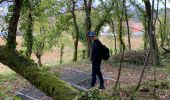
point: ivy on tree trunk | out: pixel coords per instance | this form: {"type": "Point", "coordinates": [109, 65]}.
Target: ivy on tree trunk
{"type": "Point", "coordinates": [12, 29]}
{"type": "Point", "coordinates": [29, 31]}
{"type": "Point", "coordinates": [77, 32]}
{"type": "Point", "coordinates": [88, 4]}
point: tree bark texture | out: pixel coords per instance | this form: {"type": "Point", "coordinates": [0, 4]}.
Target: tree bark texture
{"type": "Point", "coordinates": [29, 31]}
{"type": "Point", "coordinates": [12, 29]}
{"type": "Point", "coordinates": [44, 81]}
{"type": "Point", "coordinates": [127, 24]}
{"type": "Point", "coordinates": [77, 32]}
{"type": "Point", "coordinates": [88, 4]}
{"type": "Point", "coordinates": [152, 37]}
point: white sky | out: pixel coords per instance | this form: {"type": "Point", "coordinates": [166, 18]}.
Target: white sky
{"type": "Point", "coordinates": [4, 8]}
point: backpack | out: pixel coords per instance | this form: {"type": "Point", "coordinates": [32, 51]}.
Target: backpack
{"type": "Point", "coordinates": [105, 53]}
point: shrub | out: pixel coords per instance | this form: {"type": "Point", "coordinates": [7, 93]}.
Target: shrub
{"type": "Point", "coordinates": [94, 94]}
{"type": "Point", "coordinates": [132, 57]}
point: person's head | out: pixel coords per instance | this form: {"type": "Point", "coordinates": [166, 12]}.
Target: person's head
{"type": "Point", "coordinates": [92, 35]}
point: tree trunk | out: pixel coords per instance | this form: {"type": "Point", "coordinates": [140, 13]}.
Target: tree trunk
{"type": "Point", "coordinates": [145, 37]}
{"type": "Point", "coordinates": [153, 42]}
{"type": "Point", "coordinates": [127, 24]}
{"type": "Point", "coordinates": [39, 51]}
{"type": "Point", "coordinates": [88, 25]}
{"type": "Point", "coordinates": [154, 25]}
{"type": "Point", "coordinates": [120, 18]}
{"type": "Point", "coordinates": [61, 54]}
{"type": "Point", "coordinates": [12, 29]}
{"type": "Point", "coordinates": [25, 67]}
{"type": "Point", "coordinates": [162, 35]}
{"type": "Point", "coordinates": [44, 81]}
{"type": "Point", "coordinates": [165, 36]}
{"type": "Point", "coordinates": [75, 50]}
{"type": "Point", "coordinates": [113, 30]}
{"type": "Point", "coordinates": [77, 32]}
{"type": "Point", "coordinates": [29, 31]}
{"type": "Point", "coordinates": [39, 59]}
{"type": "Point", "coordinates": [143, 70]}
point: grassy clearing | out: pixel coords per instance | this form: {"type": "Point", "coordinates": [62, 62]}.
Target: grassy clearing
{"type": "Point", "coordinates": [6, 74]}
{"type": "Point", "coordinates": [5, 86]}
{"type": "Point", "coordinates": [7, 77]}
{"type": "Point", "coordinates": [168, 68]}
{"type": "Point", "coordinates": [10, 82]}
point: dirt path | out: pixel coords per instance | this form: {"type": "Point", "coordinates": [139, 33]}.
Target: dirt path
{"type": "Point", "coordinates": [81, 75]}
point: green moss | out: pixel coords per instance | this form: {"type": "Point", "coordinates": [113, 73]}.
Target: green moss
{"type": "Point", "coordinates": [7, 77]}
{"type": "Point", "coordinates": [48, 83]}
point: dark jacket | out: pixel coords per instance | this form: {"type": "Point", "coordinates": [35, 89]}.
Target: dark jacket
{"type": "Point", "coordinates": [96, 51]}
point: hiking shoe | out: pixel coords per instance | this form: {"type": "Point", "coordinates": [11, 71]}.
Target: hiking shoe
{"type": "Point", "coordinates": [101, 87]}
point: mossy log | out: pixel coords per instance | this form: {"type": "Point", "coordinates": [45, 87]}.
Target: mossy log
{"type": "Point", "coordinates": [44, 81]}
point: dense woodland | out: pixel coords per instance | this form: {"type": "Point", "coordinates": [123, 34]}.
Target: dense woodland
{"type": "Point", "coordinates": [48, 24]}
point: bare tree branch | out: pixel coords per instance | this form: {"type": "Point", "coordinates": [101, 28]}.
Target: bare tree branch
{"type": "Point", "coordinates": [166, 50]}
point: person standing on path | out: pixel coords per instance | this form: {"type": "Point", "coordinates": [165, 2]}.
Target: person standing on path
{"type": "Point", "coordinates": [96, 59]}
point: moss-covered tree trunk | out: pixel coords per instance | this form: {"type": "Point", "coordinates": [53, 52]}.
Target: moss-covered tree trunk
{"type": "Point", "coordinates": [12, 29]}
{"type": "Point", "coordinates": [127, 24]}
{"type": "Point", "coordinates": [61, 53]}
{"type": "Point", "coordinates": [164, 27]}
{"type": "Point", "coordinates": [122, 45]}
{"type": "Point", "coordinates": [88, 4]}
{"type": "Point", "coordinates": [39, 58]}
{"type": "Point", "coordinates": [111, 23]}
{"type": "Point", "coordinates": [44, 81]}
{"type": "Point", "coordinates": [145, 36]}
{"type": "Point", "coordinates": [77, 31]}
{"type": "Point", "coordinates": [29, 31]}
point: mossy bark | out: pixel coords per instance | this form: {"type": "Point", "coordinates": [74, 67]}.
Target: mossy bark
{"type": "Point", "coordinates": [77, 31]}
{"type": "Point", "coordinates": [87, 5]}
{"type": "Point", "coordinates": [12, 29]}
{"type": "Point", "coordinates": [44, 81]}
{"type": "Point", "coordinates": [29, 31]}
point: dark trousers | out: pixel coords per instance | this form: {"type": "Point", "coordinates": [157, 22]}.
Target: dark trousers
{"type": "Point", "coordinates": [96, 71]}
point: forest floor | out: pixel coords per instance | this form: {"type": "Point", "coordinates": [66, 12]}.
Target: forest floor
{"type": "Point", "coordinates": [128, 80]}
{"type": "Point", "coordinates": [79, 74]}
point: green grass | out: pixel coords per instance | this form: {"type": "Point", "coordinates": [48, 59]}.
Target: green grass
{"type": "Point", "coordinates": [7, 77]}
{"type": "Point", "coordinates": [168, 68]}
{"type": "Point", "coordinates": [8, 98]}
{"type": "Point", "coordinates": [165, 69]}
{"type": "Point", "coordinates": [66, 63]}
